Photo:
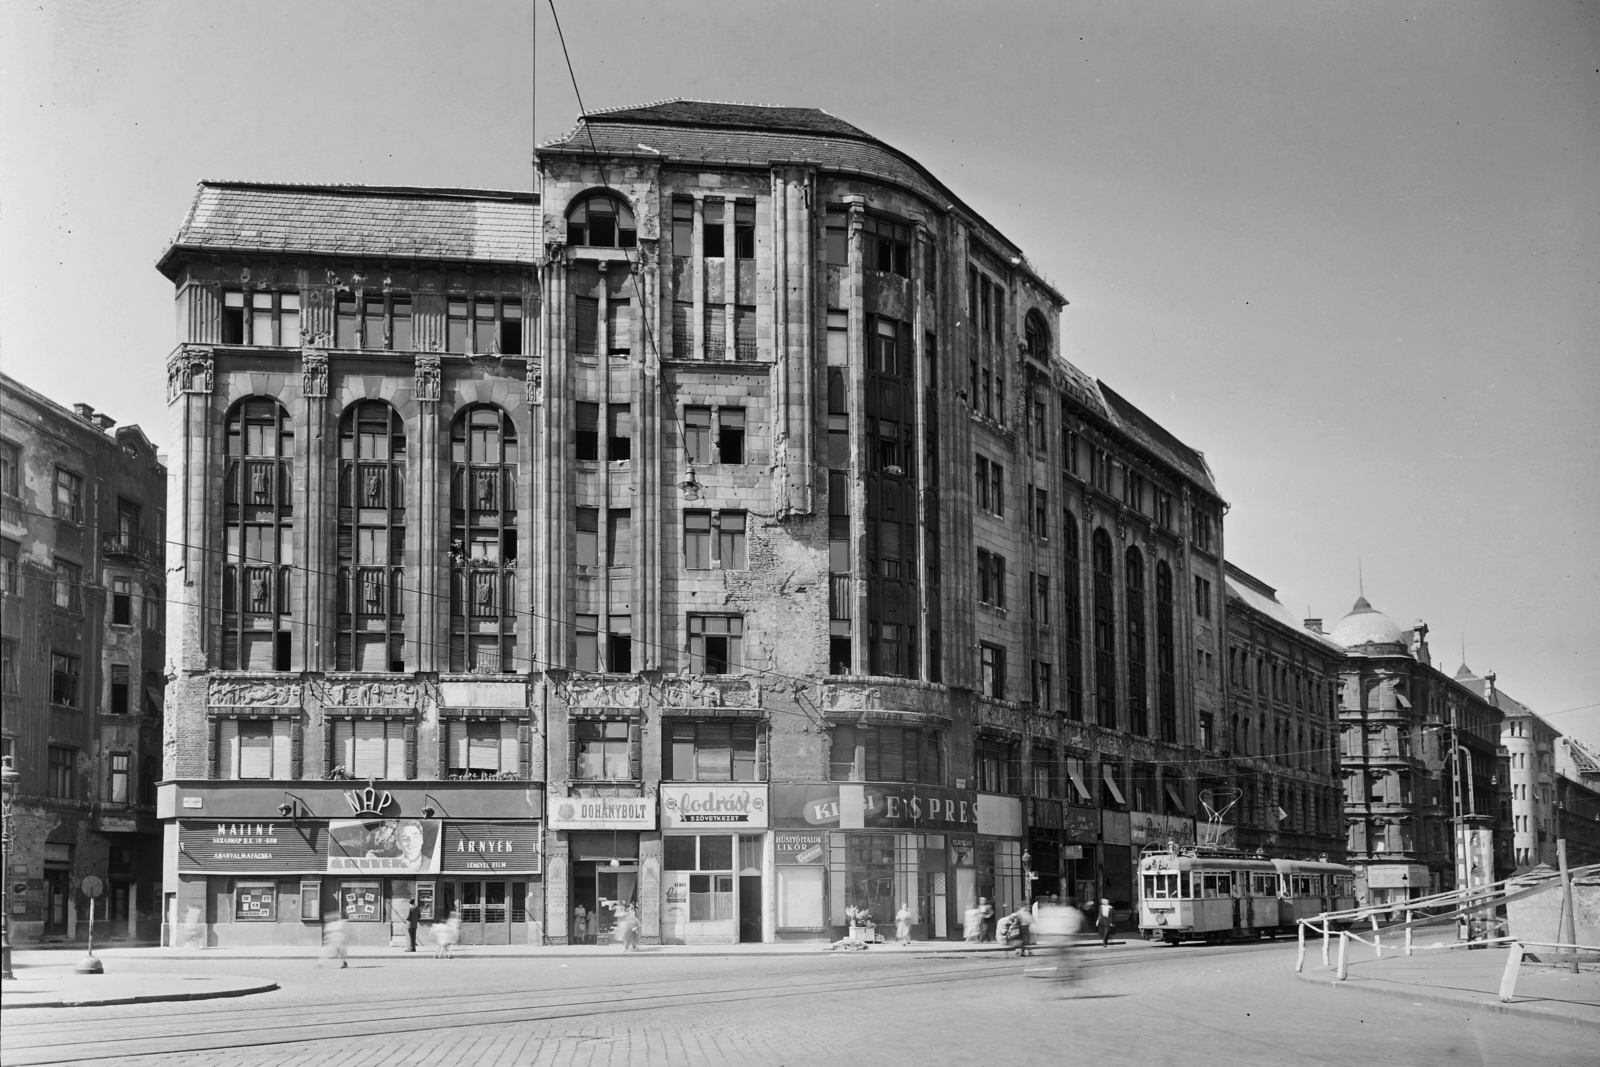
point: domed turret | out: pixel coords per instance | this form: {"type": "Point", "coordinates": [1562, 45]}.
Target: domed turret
{"type": "Point", "coordinates": [1365, 625]}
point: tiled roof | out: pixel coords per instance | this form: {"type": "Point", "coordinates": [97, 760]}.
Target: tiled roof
{"type": "Point", "coordinates": [698, 131]}
{"type": "Point", "coordinates": [1152, 436]}
{"type": "Point", "coordinates": [727, 115]}
{"type": "Point", "coordinates": [360, 220]}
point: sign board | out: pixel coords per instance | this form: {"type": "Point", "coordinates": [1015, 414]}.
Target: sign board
{"type": "Point", "coordinates": [250, 847]}
{"type": "Point", "coordinates": [919, 807]}
{"type": "Point", "coordinates": [1080, 824]}
{"type": "Point", "coordinates": [801, 846]}
{"type": "Point", "coordinates": [1072, 852]}
{"type": "Point", "coordinates": [738, 807]}
{"type": "Point", "coordinates": [383, 846]}
{"type": "Point", "coordinates": [499, 847]}
{"type": "Point", "coordinates": [256, 902]}
{"type": "Point", "coordinates": [194, 802]}
{"type": "Point", "coordinates": [92, 886]}
{"type": "Point", "coordinates": [1398, 876]}
{"type": "Point", "coordinates": [603, 813]}
{"type": "Point", "coordinates": [361, 902]}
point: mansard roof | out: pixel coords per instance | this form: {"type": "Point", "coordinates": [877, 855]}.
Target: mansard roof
{"type": "Point", "coordinates": [358, 220]}
{"type": "Point", "coordinates": [1156, 439]}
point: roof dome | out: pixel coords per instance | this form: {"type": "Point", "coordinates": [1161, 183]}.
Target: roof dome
{"type": "Point", "coordinates": [1365, 625]}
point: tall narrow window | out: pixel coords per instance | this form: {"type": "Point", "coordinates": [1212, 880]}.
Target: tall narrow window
{"type": "Point", "coordinates": [586, 431]}
{"type": "Point", "coordinates": [1166, 691]}
{"type": "Point", "coordinates": [744, 230]}
{"type": "Point", "coordinates": [371, 548]}
{"type": "Point", "coordinates": [401, 335]}
{"type": "Point", "coordinates": [69, 495]}
{"type": "Point", "coordinates": [619, 431]}
{"type": "Point", "coordinates": [121, 689]}
{"type": "Point", "coordinates": [455, 334]}
{"type": "Point", "coordinates": [730, 435]}
{"type": "Point", "coordinates": [711, 232]}
{"type": "Point", "coordinates": [345, 320]}
{"type": "Point", "coordinates": [836, 237]}
{"type": "Point", "coordinates": [1138, 702]}
{"type": "Point", "coordinates": [697, 434]}
{"type": "Point", "coordinates": [1072, 618]}
{"type": "Point", "coordinates": [683, 227]}
{"type": "Point", "coordinates": [258, 559]}
{"type": "Point", "coordinates": [1105, 634]}
{"type": "Point", "coordinates": [483, 541]}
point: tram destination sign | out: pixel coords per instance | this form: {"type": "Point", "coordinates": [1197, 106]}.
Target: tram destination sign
{"type": "Point", "coordinates": [253, 847]}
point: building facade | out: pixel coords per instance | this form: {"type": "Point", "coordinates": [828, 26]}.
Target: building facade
{"type": "Point", "coordinates": [1419, 756]}
{"type": "Point", "coordinates": [82, 603]}
{"type": "Point", "coordinates": [721, 537]}
{"type": "Point", "coordinates": [1283, 679]}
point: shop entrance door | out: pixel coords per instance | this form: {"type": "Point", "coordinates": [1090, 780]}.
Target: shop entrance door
{"type": "Point", "coordinates": [750, 848]}
{"type": "Point", "coordinates": [55, 903]}
{"type": "Point", "coordinates": [966, 896]}
{"type": "Point", "coordinates": [613, 886]}
{"type": "Point", "coordinates": [485, 916]}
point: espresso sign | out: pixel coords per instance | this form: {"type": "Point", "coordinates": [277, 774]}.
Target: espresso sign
{"type": "Point", "coordinates": [602, 813]}
{"type": "Point", "coordinates": [500, 847]}
{"type": "Point", "coordinates": [738, 806]}
{"type": "Point", "coordinates": [251, 847]}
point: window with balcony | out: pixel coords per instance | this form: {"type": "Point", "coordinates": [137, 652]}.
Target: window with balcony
{"type": "Point", "coordinates": [711, 751]}
{"type": "Point", "coordinates": [258, 518]}
{"type": "Point", "coordinates": [483, 541]}
{"type": "Point", "coordinates": [370, 607]}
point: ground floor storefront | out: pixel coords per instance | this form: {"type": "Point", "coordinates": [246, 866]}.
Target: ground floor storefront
{"type": "Point", "coordinates": [875, 848]}
{"type": "Point", "coordinates": [254, 864]}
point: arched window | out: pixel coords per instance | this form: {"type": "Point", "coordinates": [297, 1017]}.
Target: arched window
{"type": "Point", "coordinates": [372, 538]}
{"type": "Point", "coordinates": [258, 516]}
{"type": "Point", "coordinates": [483, 541]}
{"type": "Point", "coordinates": [1105, 634]}
{"type": "Point", "coordinates": [1166, 684]}
{"type": "Point", "coordinates": [601, 221]}
{"type": "Point", "coordinates": [1036, 337]}
{"type": "Point", "coordinates": [1138, 695]}
{"type": "Point", "coordinates": [1072, 616]}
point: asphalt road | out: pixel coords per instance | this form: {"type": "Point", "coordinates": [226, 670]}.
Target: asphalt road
{"type": "Point", "coordinates": [1192, 1006]}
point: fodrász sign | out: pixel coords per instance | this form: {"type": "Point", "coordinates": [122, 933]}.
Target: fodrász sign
{"type": "Point", "coordinates": [715, 805]}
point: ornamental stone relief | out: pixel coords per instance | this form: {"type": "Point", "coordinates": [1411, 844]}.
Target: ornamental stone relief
{"type": "Point", "coordinates": [369, 694]}
{"type": "Point", "coordinates": [253, 694]}
{"type": "Point", "coordinates": [701, 694]}
{"type": "Point", "coordinates": [427, 377]}
{"type": "Point", "coordinates": [604, 694]}
{"type": "Point", "coordinates": [189, 371]}
{"type": "Point", "coordinates": [314, 374]}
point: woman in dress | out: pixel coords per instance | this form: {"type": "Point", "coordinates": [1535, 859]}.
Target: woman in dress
{"type": "Point", "coordinates": [902, 924]}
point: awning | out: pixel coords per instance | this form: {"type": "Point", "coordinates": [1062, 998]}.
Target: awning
{"type": "Point", "coordinates": [154, 694]}
{"type": "Point", "coordinates": [1111, 783]}
{"type": "Point", "coordinates": [1175, 800]}
{"type": "Point", "coordinates": [1075, 772]}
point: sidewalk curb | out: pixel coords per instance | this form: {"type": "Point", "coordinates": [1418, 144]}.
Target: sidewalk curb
{"type": "Point", "coordinates": [152, 998]}
{"type": "Point", "coordinates": [1437, 998]}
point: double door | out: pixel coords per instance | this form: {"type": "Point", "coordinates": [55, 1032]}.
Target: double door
{"type": "Point", "coordinates": [598, 890]}
{"type": "Point", "coordinates": [491, 910]}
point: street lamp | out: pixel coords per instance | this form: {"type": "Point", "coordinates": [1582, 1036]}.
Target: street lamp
{"type": "Point", "coordinates": [8, 788]}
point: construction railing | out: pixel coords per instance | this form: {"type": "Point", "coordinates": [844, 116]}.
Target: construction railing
{"type": "Point", "coordinates": [1435, 910]}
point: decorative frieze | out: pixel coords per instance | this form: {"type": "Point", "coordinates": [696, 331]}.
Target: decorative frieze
{"type": "Point", "coordinates": [604, 694]}
{"type": "Point", "coordinates": [190, 370]}
{"type": "Point", "coordinates": [369, 694]}
{"type": "Point", "coordinates": [314, 374]}
{"type": "Point", "coordinates": [252, 693]}
{"type": "Point", "coordinates": [427, 377]}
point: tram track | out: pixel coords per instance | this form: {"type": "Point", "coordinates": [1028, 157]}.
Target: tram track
{"type": "Point", "coordinates": [232, 1028]}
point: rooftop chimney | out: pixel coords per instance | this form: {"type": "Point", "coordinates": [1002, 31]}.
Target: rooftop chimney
{"type": "Point", "coordinates": [1314, 625]}
{"type": "Point", "coordinates": [84, 412]}
{"type": "Point", "coordinates": [104, 421]}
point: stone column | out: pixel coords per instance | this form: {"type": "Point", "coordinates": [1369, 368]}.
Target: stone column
{"type": "Point", "coordinates": [430, 603]}
{"type": "Point", "coordinates": [313, 612]}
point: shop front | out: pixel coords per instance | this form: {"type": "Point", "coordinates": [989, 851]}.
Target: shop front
{"type": "Point", "coordinates": [602, 869]}
{"type": "Point", "coordinates": [878, 847]}
{"type": "Point", "coordinates": [253, 865]}
{"type": "Point", "coordinates": [715, 849]}
{"type": "Point", "coordinates": [1118, 863]}
{"type": "Point", "coordinates": [1080, 854]}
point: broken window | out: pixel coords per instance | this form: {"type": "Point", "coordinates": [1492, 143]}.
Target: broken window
{"type": "Point", "coordinates": [711, 230]}
{"type": "Point", "coordinates": [716, 644]}
{"type": "Point", "coordinates": [586, 435]}
{"type": "Point", "coordinates": [730, 435]}
{"type": "Point", "coordinates": [887, 246]}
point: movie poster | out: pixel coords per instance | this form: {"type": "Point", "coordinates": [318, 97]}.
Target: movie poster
{"type": "Point", "coordinates": [383, 846]}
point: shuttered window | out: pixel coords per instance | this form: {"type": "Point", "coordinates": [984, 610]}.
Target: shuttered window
{"type": "Point", "coordinates": [588, 326]}
{"type": "Point", "coordinates": [683, 331]}
{"type": "Point", "coordinates": [255, 749]}
{"type": "Point", "coordinates": [369, 748]}
{"type": "Point", "coordinates": [479, 748]}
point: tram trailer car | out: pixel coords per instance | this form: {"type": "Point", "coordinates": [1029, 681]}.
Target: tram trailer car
{"type": "Point", "coordinates": [1222, 896]}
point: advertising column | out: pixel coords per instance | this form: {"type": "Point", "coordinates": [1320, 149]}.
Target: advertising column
{"type": "Point", "coordinates": [713, 878]}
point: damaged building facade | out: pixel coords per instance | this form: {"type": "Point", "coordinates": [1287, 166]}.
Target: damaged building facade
{"type": "Point", "coordinates": [82, 599]}
{"type": "Point", "coordinates": [719, 532]}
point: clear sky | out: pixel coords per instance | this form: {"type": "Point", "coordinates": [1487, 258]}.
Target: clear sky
{"type": "Point", "coordinates": [1349, 251]}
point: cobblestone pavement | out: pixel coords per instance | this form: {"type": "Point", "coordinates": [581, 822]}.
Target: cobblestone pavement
{"type": "Point", "coordinates": [1238, 1005]}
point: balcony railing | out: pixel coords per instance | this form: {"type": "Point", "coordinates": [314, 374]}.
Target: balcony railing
{"type": "Point", "coordinates": [120, 545]}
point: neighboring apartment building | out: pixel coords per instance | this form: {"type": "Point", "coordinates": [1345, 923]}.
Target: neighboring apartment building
{"type": "Point", "coordinates": [1418, 752]}
{"type": "Point", "coordinates": [1577, 810]}
{"type": "Point", "coordinates": [1283, 680]}
{"type": "Point", "coordinates": [1528, 755]}
{"type": "Point", "coordinates": [81, 629]}
{"type": "Point", "coordinates": [746, 508]}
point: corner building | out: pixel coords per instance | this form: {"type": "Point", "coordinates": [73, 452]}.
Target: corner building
{"type": "Point", "coordinates": [853, 593]}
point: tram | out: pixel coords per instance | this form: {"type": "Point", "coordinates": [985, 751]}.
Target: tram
{"type": "Point", "coordinates": [1220, 894]}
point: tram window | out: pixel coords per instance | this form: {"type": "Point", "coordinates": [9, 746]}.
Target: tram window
{"type": "Point", "coordinates": [1183, 885]}
{"type": "Point", "coordinates": [1263, 885]}
{"type": "Point", "coordinates": [1160, 886]}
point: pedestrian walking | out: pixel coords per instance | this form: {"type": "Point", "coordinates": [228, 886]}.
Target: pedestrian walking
{"type": "Point", "coordinates": [1103, 922]}
{"type": "Point", "coordinates": [1056, 928]}
{"type": "Point", "coordinates": [986, 915]}
{"type": "Point", "coordinates": [333, 935]}
{"type": "Point", "coordinates": [444, 936]}
{"type": "Point", "coordinates": [902, 924]}
{"type": "Point", "coordinates": [972, 928]}
{"type": "Point", "coordinates": [627, 928]}
{"type": "Point", "coordinates": [1022, 925]}
{"type": "Point", "coordinates": [193, 928]}
{"type": "Point", "coordinates": [412, 915]}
